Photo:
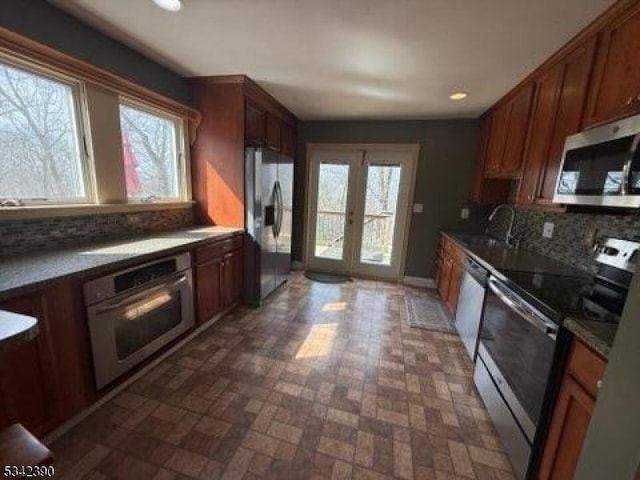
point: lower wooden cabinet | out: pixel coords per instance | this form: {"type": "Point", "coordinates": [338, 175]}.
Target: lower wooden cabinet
{"type": "Point", "coordinates": [448, 275]}
{"type": "Point", "coordinates": [48, 380]}
{"type": "Point", "coordinates": [218, 279]}
{"type": "Point", "coordinates": [571, 413]}
{"type": "Point", "coordinates": [208, 289]}
{"type": "Point", "coordinates": [27, 377]}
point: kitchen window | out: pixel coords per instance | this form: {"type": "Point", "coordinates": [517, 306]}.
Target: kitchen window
{"type": "Point", "coordinates": [152, 154]}
{"type": "Point", "coordinates": [42, 154]}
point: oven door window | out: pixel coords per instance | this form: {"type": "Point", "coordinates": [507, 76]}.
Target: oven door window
{"type": "Point", "coordinates": [141, 322]}
{"type": "Point", "coordinates": [522, 353]}
{"type": "Point", "coordinates": [596, 169]}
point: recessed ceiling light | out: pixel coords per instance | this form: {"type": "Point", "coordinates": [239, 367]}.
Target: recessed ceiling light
{"type": "Point", "coordinates": [170, 5]}
{"type": "Point", "coordinates": [458, 95]}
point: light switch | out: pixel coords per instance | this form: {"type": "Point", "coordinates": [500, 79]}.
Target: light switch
{"type": "Point", "coordinates": [464, 213]}
{"type": "Point", "coordinates": [547, 230]}
{"type": "Point", "coordinates": [417, 208]}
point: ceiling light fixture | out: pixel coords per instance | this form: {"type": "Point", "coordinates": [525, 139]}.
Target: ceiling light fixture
{"type": "Point", "coordinates": [458, 95]}
{"type": "Point", "coordinates": [169, 5]}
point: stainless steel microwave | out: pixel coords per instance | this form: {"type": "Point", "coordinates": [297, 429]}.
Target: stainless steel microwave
{"type": "Point", "coordinates": [601, 166]}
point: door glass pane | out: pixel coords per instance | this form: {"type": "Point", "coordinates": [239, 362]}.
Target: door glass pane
{"type": "Point", "coordinates": [333, 179]}
{"type": "Point", "coordinates": [142, 322]}
{"type": "Point", "coordinates": [381, 201]}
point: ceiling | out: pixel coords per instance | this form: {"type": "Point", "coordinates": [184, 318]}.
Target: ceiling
{"type": "Point", "coordinates": [353, 59]}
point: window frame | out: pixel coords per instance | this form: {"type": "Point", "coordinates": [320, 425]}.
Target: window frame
{"type": "Point", "coordinates": [80, 120]}
{"type": "Point", "coordinates": [181, 149]}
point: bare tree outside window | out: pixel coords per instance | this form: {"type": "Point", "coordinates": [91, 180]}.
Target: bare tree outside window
{"type": "Point", "coordinates": [40, 157]}
{"type": "Point", "coordinates": [150, 154]}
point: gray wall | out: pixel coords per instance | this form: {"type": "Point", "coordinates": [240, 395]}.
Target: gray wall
{"type": "Point", "coordinates": [612, 447]}
{"type": "Point", "coordinates": [46, 24]}
{"type": "Point", "coordinates": [447, 155]}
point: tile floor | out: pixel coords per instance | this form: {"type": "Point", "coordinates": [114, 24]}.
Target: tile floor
{"type": "Point", "coordinates": [323, 382]}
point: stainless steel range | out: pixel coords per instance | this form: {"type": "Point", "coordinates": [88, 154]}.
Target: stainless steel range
{"type": "Point", "coordinates": [135, 312]}
{"type": "Point", "coordinates": [522, 345]}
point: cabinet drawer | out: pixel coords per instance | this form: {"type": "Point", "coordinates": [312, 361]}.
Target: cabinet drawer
{"type": "Point", "coordinates": [218, 249]}
{"type": "Point", "coordinates": [586, 367]}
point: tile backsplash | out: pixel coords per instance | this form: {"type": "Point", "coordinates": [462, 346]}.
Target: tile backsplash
{"type": "Point", "coordinates": [573, 233]}
{"type": "Point", "coordinates": [30, 235]}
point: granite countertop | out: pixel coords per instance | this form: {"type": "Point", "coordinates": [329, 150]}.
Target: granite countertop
{"type": "Point", "coordinates": [504, 262]}
{"type": "Point", "coordinates": [498, 258]}
{"type": "Point", "coordinates": [16, 329]}
{"type": "Point", "coordinates": [24, 273]}
{"type": "Point", "coordinates": [597, 335]}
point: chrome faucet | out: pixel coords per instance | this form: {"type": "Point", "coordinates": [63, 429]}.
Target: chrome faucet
{"type": "Point", "coordinates": [509, 239]}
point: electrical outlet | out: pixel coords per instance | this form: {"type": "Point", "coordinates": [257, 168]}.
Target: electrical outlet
{"type": "Point", "coordinates": [464, 213]}
{"type": "Point", "coordinates": [417, 208]}
{"type": "Point", "coordinates": [547, 230]}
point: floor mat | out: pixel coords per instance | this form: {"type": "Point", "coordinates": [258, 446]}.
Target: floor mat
{"type": "Point", "coordinates": [326, 277]}
{"type": "Point", "coordinates": [426, 310]}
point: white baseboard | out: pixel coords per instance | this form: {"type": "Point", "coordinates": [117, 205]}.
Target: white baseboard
{"type": "Point", "coordinates": [296, 265]}
{"type": "Point", "coordinates": [419, 282]}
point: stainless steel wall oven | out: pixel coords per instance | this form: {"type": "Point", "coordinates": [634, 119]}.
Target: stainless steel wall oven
{"type": "Point", "coordinates": [134, 313]}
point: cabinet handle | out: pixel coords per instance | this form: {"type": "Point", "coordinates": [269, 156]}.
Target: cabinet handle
{"type": "Point", "coordinates": [630, 100]}
{"type": "Point", "coordinates": [530, 197]}
{"type": "Point", "coordinates": [599, 384]}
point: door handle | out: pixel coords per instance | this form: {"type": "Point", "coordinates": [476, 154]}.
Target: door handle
{"type": "Point", "coordinates": [280, 207]}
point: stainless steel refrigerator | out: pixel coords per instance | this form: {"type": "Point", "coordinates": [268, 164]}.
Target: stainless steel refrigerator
{"type": "Point", "coordinates": [269, 202]}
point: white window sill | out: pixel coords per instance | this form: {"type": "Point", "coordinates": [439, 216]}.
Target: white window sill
{"type": "Point", "coordinates": [33, 212]}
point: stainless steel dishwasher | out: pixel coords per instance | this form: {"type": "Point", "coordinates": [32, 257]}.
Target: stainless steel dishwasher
{"type": "Point", "coordinates": [470, 305]}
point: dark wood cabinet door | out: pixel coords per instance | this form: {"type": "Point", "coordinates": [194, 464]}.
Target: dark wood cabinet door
{"type": "Point", "coordinates": [615, 90]}
{"type": "Point", "coordinates": [27, 376]}
{"type": "Point", "coordinates": [543, 116]}
{"type": "Point", "coordinates": [255, 124]}
{"type": "Point", "coordinates": [273, 132]}
{"type": "Point", "coordinates": [516, 133]}
{"type": "Point", "coordinates": [571, 107]}
{"type": "Point", "coordinates": [232, 278]}
{"type": "Point", "coordinates": [454, 287]}
{"type": "Point", "coordinates": [288, 140]}
{"type": "Point", "coordinates": [567, 431]}
{"type": "Point", "coordinates": [445, 277]}
{"type": "Point", "coordinates": [477, 182]}
{"type": "Point", "coordinates": [209, 300]}
{"type": "Point", "coordinates": [497, 140]}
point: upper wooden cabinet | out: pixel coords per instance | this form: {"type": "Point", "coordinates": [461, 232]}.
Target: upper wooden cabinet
{"type": "Point", "coordinates": [486, 190]}
{"type": "Point", "coordinates": [288, 140]}
{"type": "Point", "coordinates": [273, 132]}
{"type": "Point", "coordinates": [236, 113]}
{"type": "Point", "coordinates": [256, 124]}
{"type": "Point", "coordinates": [510, 121]}
{"type": "Point", "coordinates": [593, 79]}
{"type": "Point", "coordinates": [557, 112]}
{"type": "Point", "coordinates": [615, 90]}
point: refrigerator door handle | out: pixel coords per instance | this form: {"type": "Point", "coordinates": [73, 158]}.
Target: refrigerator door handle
{"type": "Point", "coordinates": [280, 207]}
{"type": "Point", "coordinates": [274, 196]}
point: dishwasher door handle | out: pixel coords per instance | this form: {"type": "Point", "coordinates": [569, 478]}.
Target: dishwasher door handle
{"type": "Point", "coordinates": [546, 327]}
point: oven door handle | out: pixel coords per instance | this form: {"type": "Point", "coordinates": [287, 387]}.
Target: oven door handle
{"type": "Point", "coordinates": [545, 327]}
{"type": "Point", "coordinates": [134, 298]}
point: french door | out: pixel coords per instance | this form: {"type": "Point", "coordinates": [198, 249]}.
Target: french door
{"type": "Point", "coordinates": [359, 202]}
